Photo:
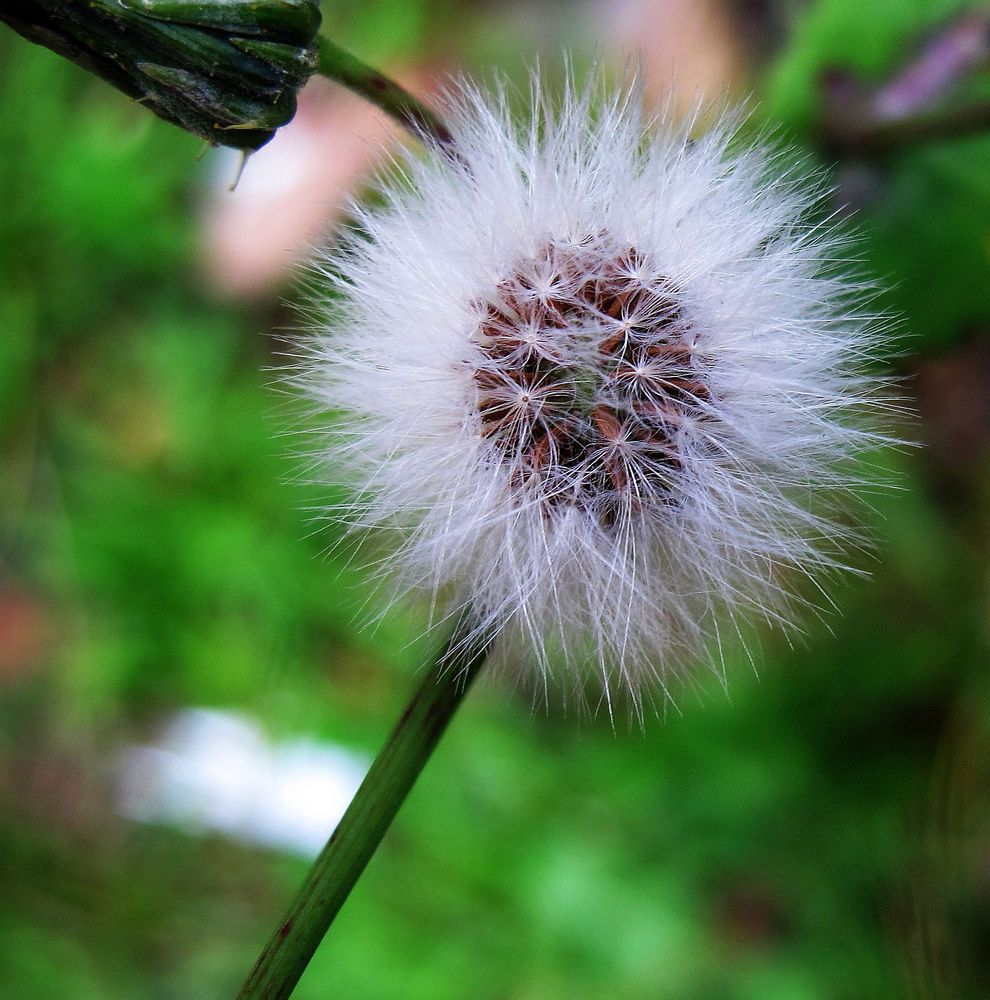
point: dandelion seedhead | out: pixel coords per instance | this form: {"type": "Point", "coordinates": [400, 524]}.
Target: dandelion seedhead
{"type": "Point", "coordinates": [605, 380]}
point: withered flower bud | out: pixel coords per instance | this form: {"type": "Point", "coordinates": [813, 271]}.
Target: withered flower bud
{"type": "Point", "coordinates": [225, 70]}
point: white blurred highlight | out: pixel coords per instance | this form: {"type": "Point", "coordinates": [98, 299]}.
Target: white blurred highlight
{"type": "Point", "coordinates": [215, 771]}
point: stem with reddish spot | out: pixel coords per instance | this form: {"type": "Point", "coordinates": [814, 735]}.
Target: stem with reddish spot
{"type": "Point", "coordinates": [338, 64]}
{"type": "Point", "coordinates": [388, 782]}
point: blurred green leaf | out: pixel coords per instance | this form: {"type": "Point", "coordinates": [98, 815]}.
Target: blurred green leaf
{"type": "Point", "coordinates": [924, 212]}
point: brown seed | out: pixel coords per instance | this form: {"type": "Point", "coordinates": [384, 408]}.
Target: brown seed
{"type": "Point", "coordinates": [610, 345]}
{"type": "Point", "coordinates": [607, 423]}
{"type": "Point", "coordinates": [539, 456]}
{"type": "Point", "coordinates": [670, 352]}
{"type": "Point", "coordinates": [651, 409]}
{"type": "Point", "coordinates": [556, 312]}
{"type": "Point", "coordinates": [488, 379]}
{"type": "Point", "coordinates": [688, 386]}
{"type": "Point", "coordinates": [617, 474]}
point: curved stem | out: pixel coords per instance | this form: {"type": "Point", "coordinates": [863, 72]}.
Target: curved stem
{"type": "Point", "coordinates": [338, 64]}
{"type": "Point", "coordinates": [369, 815]}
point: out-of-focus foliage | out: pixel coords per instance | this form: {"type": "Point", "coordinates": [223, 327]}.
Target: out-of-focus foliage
{"type": "Point", "coordinates": [926, 211]}
{"type": "Point", "coordinates": [822, 831]}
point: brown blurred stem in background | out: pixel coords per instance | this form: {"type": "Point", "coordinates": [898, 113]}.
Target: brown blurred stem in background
{"type": "Point", "coordinates": [907, 109]}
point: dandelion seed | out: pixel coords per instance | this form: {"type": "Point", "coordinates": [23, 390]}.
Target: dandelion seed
{"type": "Point", "coordinates": [606, 381]}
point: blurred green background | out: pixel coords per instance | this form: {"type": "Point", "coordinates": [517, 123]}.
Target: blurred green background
{"type": "Point", "coordinates": [822, 830]}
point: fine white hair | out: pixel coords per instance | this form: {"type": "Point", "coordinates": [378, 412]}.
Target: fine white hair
{"type": "Point", "coordinates": [606, 381]}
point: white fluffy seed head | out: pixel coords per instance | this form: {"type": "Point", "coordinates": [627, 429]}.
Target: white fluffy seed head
{"type": "Point", "coordinates": [604, 379]}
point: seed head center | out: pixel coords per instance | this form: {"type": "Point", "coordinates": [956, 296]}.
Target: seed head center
{"type": "Point", "coordinates": [600, 351]}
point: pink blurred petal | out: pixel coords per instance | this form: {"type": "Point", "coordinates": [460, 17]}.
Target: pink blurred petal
{"type": "Point", "coordinates": [291, 190]}
{"type": "Point", "coordinates": [689, 50]}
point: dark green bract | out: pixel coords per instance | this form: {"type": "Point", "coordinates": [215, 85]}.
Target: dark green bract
{"type": "Point", "coordinates": [226, 70]}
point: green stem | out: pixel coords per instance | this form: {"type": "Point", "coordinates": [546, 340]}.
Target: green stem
{"type": "Point", "coordinates": [338, 64]}
{"type": "Point", "coordinates": [369, 815]}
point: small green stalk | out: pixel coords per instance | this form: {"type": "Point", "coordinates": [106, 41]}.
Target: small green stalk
{"type": "Point", "coordinates": [369, 815]}
{"type": "Point", "coordinates": [338, 64]}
